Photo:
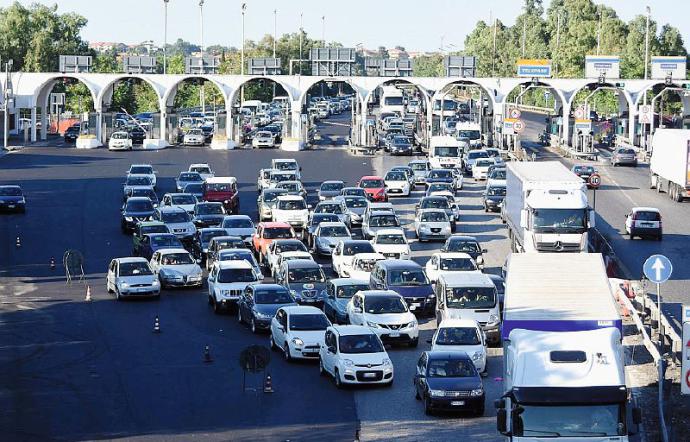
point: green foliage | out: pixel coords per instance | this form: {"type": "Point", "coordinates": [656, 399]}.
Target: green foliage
{"type": "Point", "coordinates": [428, 66]}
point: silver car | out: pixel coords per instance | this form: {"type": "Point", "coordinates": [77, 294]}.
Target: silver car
{"type": "Point", "coordinates": [624, 155]}
{"type": "Point", "coordinates": [328, 235]}
{"type": "Point", "coordinates": [176, 268]}
{"type": "Point", "coordinates": [131, 277]}
{"type": "Point", "coordinates": [354, 207]}
{"type": "Point", "coordinates": [267, 202]}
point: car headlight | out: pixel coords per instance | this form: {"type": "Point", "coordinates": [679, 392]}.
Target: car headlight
{"type": "Point", "coordinates": [155, 282]}
{"type": "Point", "coordinates": [412, 324]}
{"type": "Point", "coordinates": [348, 363]}
{"type": "Point", "coordinates": [477, 355]}
{"type": "Point", "coordinates": [124, 285]}
{"type": "Point", "coordinates": [129, 219]}
{"type": "Point", "coordinates": [372, 324]}
{"type": "Point", "coordinates": [437, 393]}
{"type": "Point", "coordinates": [493, 319]}
{"type": "Point", "coordinates": [386, 361]}
{"type": "Point", "coordinates": [424, 228]}
{"type": "Point", "coordinates": [477, 392]}
{"type": "Point", "coordinates": [262, 315]}
{"type": "Point", "coordinates": [298, 342]}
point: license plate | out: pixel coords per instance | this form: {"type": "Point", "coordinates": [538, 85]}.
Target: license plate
{"type": "Point", "coordinates": [11, 206]}
{"type": "Point", "coordinates": [369, 375]}
{"type": "Point", "coordinates": [394, 334]}
{"type": "Point", "coordinates": [415, 305]}
{"type": "Point", "coordinates": [457, 403]}
{"type": "Point", "coordinates": [642, 224]}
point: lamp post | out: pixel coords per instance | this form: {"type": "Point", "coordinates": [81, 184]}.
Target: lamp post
{"type": "Point", "coordinates": [165, 36]}
{"type": "Point", "coordinates": [323, 30]}
{"type": "Point", "coordinates": [244, 8]}
{"type": "Point", "coordinates": [275, 30]}
{"type": "Point", "coordinates": [646, 45]}
{"type": "Point", "coordinates": [202, 101]}
{"type": "Point", "coordinates": [6, 103]}
{"type": "Point", "coordinates": [601, 18]}
{"type": "Point", "coordinates": [301, 31]}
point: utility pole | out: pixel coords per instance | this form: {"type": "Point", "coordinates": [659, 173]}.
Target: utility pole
{"type": "Point", "coordinates": [524, 35]}
{"type": "Point", "coordinates": [275, 30]}
{"type": "Point", "coordinates": [301, 32]}
{"type": "Point", "coordinates": [558, 39]}
{"type": "Point", "coordinates": [244, 8]}
{"type": "Point", "coordinates": [165, 36]}
{"type": "Point", "coordinates": [6, 104]}
{"type": "Point", "coordinates": [323, 30]}
{"type": "Point", "coordinates": [493, 57]}
{"type": "Point", "coordinates": [202, 102]}
{"type": "Point", "coordinates": [646, 47]}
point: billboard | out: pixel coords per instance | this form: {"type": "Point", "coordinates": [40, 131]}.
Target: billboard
{"type": "Point", "coordinates": [460, 66]}
{"type": "Point", "coordinates": [264, 66]}
{"type": "Point", "coordinates": [607, 66]}
{"type": "Point", "coordinates": [666, 66]}
{"type": "Point", "coordinates": [534, 68]}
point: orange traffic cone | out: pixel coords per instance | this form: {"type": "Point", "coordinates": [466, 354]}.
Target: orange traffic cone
{"type": "Point", "coordinates": [156, 325]}
{"type": "Point", "coordinates": [52, 263]}
{"type": "Point", "coordinates": [88, 293]}
{"type": "Point", "coordinates": [268, 384]}
{"type": "Point", "coordinates": [207, 355]}
{"type": "Point", "coordinates": [18, 242]}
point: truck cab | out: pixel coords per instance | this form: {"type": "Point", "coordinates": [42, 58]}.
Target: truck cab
{"type": "Point", "coordinates": [469, 295]}
{"type": "Point", "coordinates": [445, 153]}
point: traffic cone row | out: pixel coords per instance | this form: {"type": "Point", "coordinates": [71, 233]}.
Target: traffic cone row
{"type": "Point", "coordinates": [207, 355]}
{"type": "Point", "coordinates": [52, 263]}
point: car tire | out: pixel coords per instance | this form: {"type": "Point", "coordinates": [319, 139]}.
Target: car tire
{"type": "Point", "coordinates": [252, 326]}
{"type": "Point", "coordinates": [107, 288]}
{"type": "Point", "coordinates": [416, 393]}
{"type": "Point", "coordinates": [286, 353]}
{"type": "Point", "coordinates": [336, 379]}
{"type": "Point", "coordinates": [427, 407]}
{"type": "Point", "coordinates": [216, 306]}
{"type": "Point", "coordinates": [322, 370]}
{"type": "Point", "coordinates": [272, 343]}
{"type": "Point", "coordinates": [414, 343]}
{"type": "Point", "coordinates": [118, 296]}
{"type": "Point", "coordinates": [658, 237]}
{"type": "Point", "coordinates": [480, 411]}
{"type": "Point", "coordinates": [630, 235]}
{"type": "Point", "coordinates": [239, 315]}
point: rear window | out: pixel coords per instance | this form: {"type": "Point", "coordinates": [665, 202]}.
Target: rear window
{"type": "Point", "coordinates": [647, 216]}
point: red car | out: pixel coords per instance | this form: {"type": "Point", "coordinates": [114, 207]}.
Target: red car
{"type": "Point", "coordinates": [223, 190]}
{"type": "Point", "coordinates": [374, 187]}
{"type": "Point", "coordinates": [268, 232]}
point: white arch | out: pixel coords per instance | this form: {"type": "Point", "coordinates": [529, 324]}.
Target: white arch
{"type": "Point", "coordinates": [171, 90]}
{"type": "Point", "coordinates": [243, 80]}
{"type": "Point", "coordinates": [120, 77]}
{"type": "Point", "coordinates": [310, 82]}
{"type": "Point", "coordinates": [42, 92]}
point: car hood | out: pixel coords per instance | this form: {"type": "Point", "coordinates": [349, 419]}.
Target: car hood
{"type": "Point", "coordinates": [216, 218]}
{"type": "Point", "coordinates": [299, 286]}
{"type": "Point", "coordinates": [373, 191]}
{"type": "Point", "coordinates": [138, 214]}
{"type": "Point", "coordinates": [185, 269]}
{"type": "Point", "coordinates": [454, 384]}
{"type": "Point", "coordinates": [389, 318]}
{"type": "Point", "coordinates": [391, 248]}
{"type": "Point", "coordinates": [366, 358]}
{"type": "Point", "coordinates": [495, 197]}
{"type": "Point", "coordinates": [329, 193]}
{"type": "Point", "coordinates": [359, 274]}
{"type": "Point", "coordinates": [413, 291]}
{"type": "Point", "coordinates": [270, 309]}
{"type": "Point", "coordinates": [142, 279]}
{"type": "Point", "coordinates": [240, 232]}
{"type": "Point", "coordinates": [469, 349]}
{"type": "Point", "coordinates": [332, 240]}
{"type": "Point", "coordinates": [358, 210]}
{"type": "Point", "coordinates": [434, 224]}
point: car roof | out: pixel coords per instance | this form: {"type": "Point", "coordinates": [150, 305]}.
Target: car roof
{"type": "Point", "coordinates": [371, 177]}
{"type": "Point", "coordinates": [462, 238]}
{"type": "Point", "coordinates": [131, 259]}
{"type": "Point", "coordinates": [302, 263]}
{"type": "Point", "coordinates": [368, 255]}
{"type": "Point", "coordinates": [290, 198]}
{"type": "Point", "coordinates": [464, 279]}
{"type": "Point", "coordinates": [453, 255]}
{"type": "Point", "coordinates": [351, 330]}
{"type": "Point", "coordinates": [234, 264]}
{"type": "Point", "coordinates": [172, 250]}
{"type": "Point", "coordinates": [333, 182]}
{"type": "Point", "coordinates": [211, 229]}
{"type": "Point", "coordinates": [138, 198]}
{"type": "Point", "coordinates": [645, 209]}
{"type": "Point", "coordinates": [354, 241]}
{"type": "Point", "coordinates": [445, 355]}
{"type": "Point", "coordinates": [163, 209]}
{"type": "Point", "coordinates": [379, 294]}
{"type": "Point", "coordinates": [399, 264]}
{"type": "Point", "coordinates": [140, 165]}
{"type": "Point", "coordinates": [395, 231]}
{"type": "Point", "coordinates": [332, 224]}
{"type": "Point", "coordinates": [302, 310]}
{"type": "Point", "coordinates": [138, 175]}
{"type": "Point", "coordinates": [273, 224]}
{"type": "Point", "coordinates": [457, 322]}
{"type": "Point", "coordinates": [268, 287]}
{"type": "Point", "coordinates": [221, 179]}
{"type": "Point", "coordinates": [348, 281]}
{"type": "Point", "coordinates": [237, 217]}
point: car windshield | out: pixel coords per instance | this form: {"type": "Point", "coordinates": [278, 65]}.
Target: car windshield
{"type": "Point", "coordinates": [273, 296]}
{"type": "Point", "coordinates": [319, 218]}
{"type": "Point", "coordinates": [624, 152]}
{"type": "Point", "coordinates": [122, 136]}
{"type": "Point", "coordinates": [183, 200]}
{"type": "Point", "coordinates": [177, 259]}
{"type": "Point", "coordinates": [576, 421]}
{"type": "Point", "coordinates": [434, 217]}
{"type": "Point", "coordinates": [498, 174]}
{"type": "Point", "coordinates": [471, 297]}
{"type": "Point", "coordinates": [407, 277]}
{"type": "Point", "coordinates": [292, 204]}
{"type": "Point", "coordinates": [278, 232]}
{"type": "Point", "coordinates": [366, 264]}
{"type": "Point", "coordinates": [401, 141]}
{"type": "Point", "coordinates": [457, 264]}
{"type": "Point", "coordinates": [138, 181]}
{"type": "Point", "coordinates": [200, 169]}
{"type": "Point", "coordinates": [379, 305]}
{"type": "Point", "coordinates": [458, 336]}
{"type": "Point", "coordinates": [471, 134]}
{"type": "Point", "coordinates": [334, 231]}
{"type": "Point", "coordinates": [314, 274]}
{"type": "Point", "coordinates": [237, 255]}
{"type": "Point", "coordinates": [236, 275]}
{"type": "Point", "coordinates": [194, 132]}
{"type": "Point", "coordinates": [148, 193]}
{"type": "Point", "coordinates": [371, 184]}
{"type": "Point", "coordinates": [646, 216]}
{"type": "Point", "coordinates": [206, 235]}
{"type": "Point", "coordinates": [134, 269]}
{"type": "Point", "coordinates": [219, 187]}
{"type": "Point", "coordinates": [144, 170]}
{"type": "Point", "coordinates": [139, 206]}
{"type": "Point", "coordinates": [237, 223]}
{"type": "Point", "coordinates": [434, 203]}
{"type": "Point", "coordinates": [271, 196]}
{"type": "Point", "coordinates": [357, 344]}
{"type": "Point", "coordinates": [280, 177]}
{"type": "Point", "coordinates": [463, 246]}
{"type": "Point", "coordinates": [10, 191]}
{"type": "Point", "coordinates": [355, 202]}
{"type": "Point", "coordinates": [285, 165]}
{"type": "Point", "coordinates": [393, 101]}
{"type": "Point", "coordinates": [209, 209]}
{"type": "Point", "coordinates": [440, 187]}
{"type": "Point", "coordinates": [354, 191]}
{"type": "Point", "coordinates": [359, 247]}
{"type": "Point", "coordinates": [477, 154]}
{"type": "Point", "coordinates": [496, 191]}
{"type": "Point", "coordinates": [290, 187]}
{"type": "Point", "coordinates": [165, 241]}
{"type": "Point", "coordinates": [559, 220]}
{"type": "Point", "coordinates": [484, 163]}
{"type": "Point", "coordinates": [451, 368]}
{"type": "Point", "coordinates": [332, 187]}
{"type": "Point", "coordinates": [390, 238]}
{"type": "Point", "coordinates": [418, 166]}
{"type": "Point", "coordinates": [444, 174]}
{"type": "Point", "coordinates": [447, 151]}
{"type": "Point", "coordinates": [175, 217]}
{"type": "Point", "coordinates": [194, 188]}
{"type": "Point", "coordinates": [347, 291]}
{"type": "Point", "coordinates": [310, 322]}
{"type": "Point", "coordinates": [396, 176]}
{"type": "Point", "coordinates": [329, 208]}
{"type": "Point", "coordinates": [189, 176]}
{"type": "Point", "coordinates": [384, 221]}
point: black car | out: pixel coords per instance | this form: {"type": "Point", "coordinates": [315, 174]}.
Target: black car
{"type": "Point", "coordinates": [400, 146]}
{"type": "Point", "coordinates": [465, 244]}
{"type": "Point", "coordinates": [202, 238]}
{"type": "Point", "coordinates": [448, 381]}
{"type": "Point", "coordinates": [137, 134]}
{"type": "Point", "coordinates": [135, 210]}
{"type": "Point", "coordinates": [12, 199]}
{"type": "Point", "coordinates": [142, 191]}
{"type": "Point", "coordinates": [72, 133]}
{"type": "Point", "coordinates": [259, 304]}
{"type": "Point", "coordinates": [493, 197]}
{"type": "Point", "coordinates": [583, 171]}
{"type": "Point", "coordinates": [208, 214]}
{"type": "Point", "coordinates": [207, 130]}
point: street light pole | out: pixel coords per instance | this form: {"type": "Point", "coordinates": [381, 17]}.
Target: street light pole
{"type": "Point", "coordinates": [165, 36]}
{"type": "Point", "coordinates": [601, 17]}
{"type": "Point", "coordinates": [301, 31]}
{"type": "Point", "coordinates": [275, 30]}
{"type": "Point", "coordinates": [244, 8]}
{"type": "Point", "coordinates": [493, 56]}
{"type": "Point", "coordinates": [524, 35]}
{"type": "Point", "coordinates": [201, 20]}
{"type": "Point", "coordinates": [558, 39]}
{"type": "Point", "coordinates": [6, 104]}
{"type": "Point", "coordinates": [646, 46]}
{"type": "Point", "coordinates": [323, 30]}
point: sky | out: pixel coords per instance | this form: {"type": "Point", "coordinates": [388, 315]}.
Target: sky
{"type": "Point", "coordinates": [415, 25]}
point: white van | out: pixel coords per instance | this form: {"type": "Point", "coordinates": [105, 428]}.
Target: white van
{"type": "Point", "coordinates": [252, 105]}
{"type": "Point", "coordinates": [468, 295]}
{"type": "Point", "coordinates": [450, 107]}
{"type": "Point", "coordinates": [445, 152]}
{"type": "Point", "coordinates": [471, 131]}
{"type": "Point", "coordinates": [392, 100]}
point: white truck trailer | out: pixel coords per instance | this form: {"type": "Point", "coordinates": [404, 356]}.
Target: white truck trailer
{"type": "Point", "coordinates": [546, 208]}
{"type": "Point", "coordinates": [563, 359]}
{"type": "Point", "coordinates": [670, 163]}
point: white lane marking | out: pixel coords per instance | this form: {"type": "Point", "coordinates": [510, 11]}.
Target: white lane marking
{"type": "Point", "coordinates": [44, 344]}
{"type": "Point", "coordinates": [606, 172]}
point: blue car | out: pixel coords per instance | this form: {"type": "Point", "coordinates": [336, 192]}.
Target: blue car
{"type": "Point", "coordinates": [152, 242]}
{"type": "Point", "coordinates": [407, 278]}
{"type": "Point", "coordinates": [135, 210]}
{"type": "Point", "coordinates": [440, 176]}
{"type": "Point", "coordinates": [12, 199]}
{"type": "Point", "coordinates": [337, 294]}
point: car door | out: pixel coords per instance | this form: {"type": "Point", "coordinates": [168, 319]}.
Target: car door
{"type": "Point", "coordinates": [143, 246]}
{"type": "Point", "coordinates": [337, 258]}
{"type": "Point", "coordinates": [329, 302]}
{"type": "Point", "coordinates": [154, 262]}
{"type": "Point", "coordinates": [281, 331]}
{"type": "Point", "coordinates": [331, 349]}
{"type": "Point", "coordinates": [247, 302]}
{"type": "Point", "coordinates": [212, 280]}
{"type": "Point", "coordinates": [432, 267]}
{"type": "Point", "coordinates": [110, 279]}
{"type": "Point", "coordinates": [271, 256]}
{"type": "Point", "coordinates": [420, 376]}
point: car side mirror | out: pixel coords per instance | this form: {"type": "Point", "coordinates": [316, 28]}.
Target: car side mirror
{"type": "Point", "coordinates": [331, 349]}
{"type": "Point", "coordinates": [198, 261]}
{"type": "Point", "coordinates": [484, 251]}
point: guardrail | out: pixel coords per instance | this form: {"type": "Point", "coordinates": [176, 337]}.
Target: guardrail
{"type": "Point", "coordinates": [537, 109]}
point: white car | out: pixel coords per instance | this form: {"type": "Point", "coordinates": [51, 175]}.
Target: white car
{"type": "Point", "coordinates": [176, 268]}
{"type": "Point", "coordinates": [480, 170]}
{"type": "Point", "coordinates": [391, 243]}
{"type": "Point", "coordinates": [291, 209]}
{"type": "Point", "coordinates": [289, 256]}
{"type": "Point", "coordinates": [643, 222]}
{"type": "Point", "coordinates": [239, 225]}
{"type": "Point", "coordinates": [432, 224]}
{"type": "Point", "coordinates": [462, 335]}
{"type": "Point", "coordinates": [185, 201]}
{"type": "Point", "coordinates": [227, 281]}
{"type": "Point", "coordinates": [287, 164]}
{"type": "Point", "coordinates": [397, 183]}
{"type": "Point", "coordinates": [263, 138]}
{"type": "Point", "coordinates": [120, 141]}
{"type": "Point", "coordinates": [143, 169]}
{"type": "Point", "coordinates": [444, 262]}
{"type": "Point", "coordinates": [202, 169]}
{"type": "Point", "coordinates": [132, 277]}
{"type": "Point", "coordinates": [194, 137]}
{"type": "Point", "coordinates": [362, 265]}
{"type": "Point", "coordinates": [264, 179]}
{"type": "Point", "coordinates": [298, 331]}
{"type": "Point", "coordinates": [178, 221]}
{"type": "Point", "coordinates": [344, 253]}
{"type": "Point", "coordinates": [280, 246]}
{"type": "Point", "coordinates": [354, 354]}
{"type": "Point", "coordinates": [386, 313]}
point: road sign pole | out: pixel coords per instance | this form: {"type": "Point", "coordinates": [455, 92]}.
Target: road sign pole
{"type": "Point", "coordinates": [658, 306]}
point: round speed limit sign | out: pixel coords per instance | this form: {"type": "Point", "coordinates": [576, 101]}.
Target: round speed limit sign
{"type": "Point", "coordinates": [594, 180]}
{"type": "Point", "coordinates": [518, 126]}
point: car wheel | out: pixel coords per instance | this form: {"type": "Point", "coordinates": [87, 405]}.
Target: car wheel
{"type": "Point", "coordinates": [480, 411]}
{"type": "Point", "coordinates": [210, 300]}
{"type": "Point", "coordinates": [658, 238]}
{"type": "Point", "coordinates": [630, 235]}
{"type": "Point", "coordinates": [286, 353]}
{"type": "Point", "coordinates": [414, 343]}
{"type": "Point", "coordinates": [107, 287]}
{"type": "Point", "coordinates": [216, 306]}
{"type": "Point", "coordinates": [239, 315]}
{"type": "Point", "coordinates": [427, 407]}
{"type": "Point", "coordinates": [322, 371]}
{"type": "Point", "coordinates": [272, 342]}
{"type": "Point", "coordinates": [416, 393]}
{"type": "Point", "coordinates": [117, 294]}
{"type": "Point", "coordinates": [336, 378]}
{"type": "Point", "coordinates": [252, 326]}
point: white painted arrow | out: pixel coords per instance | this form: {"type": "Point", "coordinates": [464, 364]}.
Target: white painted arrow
{"type": "Point", "coordinates": [658, 266]}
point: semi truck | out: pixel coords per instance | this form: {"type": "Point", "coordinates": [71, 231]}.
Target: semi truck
{"type": "Point", "coordinates": [546, 208]}
{"type": "Point", "coordinates": [670, 163]}
{"type": "Point", "coordinates": [563, 358]}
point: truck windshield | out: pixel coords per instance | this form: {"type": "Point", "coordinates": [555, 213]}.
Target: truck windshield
{"type": "Point", "coordinates": [446, 151]}
{"type": "Point", "coordinates": [471, 134]}
{"type": "Point", "coordinates": [569, 421]}
{"type": "Point", "coordinates": [394, 101]}
{"type": "Point", "coordinates": [471, 297]}
{"type": "Point", "coordinates": [559, 220]}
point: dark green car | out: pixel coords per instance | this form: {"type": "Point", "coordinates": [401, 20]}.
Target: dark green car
{"type": "Point", "coordinates": [144, 228]}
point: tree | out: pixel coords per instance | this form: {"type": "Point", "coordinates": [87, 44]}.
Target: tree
{"type": "Point", "coordinates": [428, 66]}
{"type": "Point", "coordinates": [106, 63]}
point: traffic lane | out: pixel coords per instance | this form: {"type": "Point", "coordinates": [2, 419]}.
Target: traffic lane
{"type": "Point", "coordinates": [334, 130]}
{"type": "Point", "coordinates": [114, 339]}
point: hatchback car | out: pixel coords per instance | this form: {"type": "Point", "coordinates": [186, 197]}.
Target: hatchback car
{"type": "Point", "coordinates": [131, 277]}
{"type": "Point", "coordinates": [462, 335]}
{"type": "Point", "coordinates": [330, 189]}
{"type": "Point", "coordinates": [134, 211]}
{"type": "Point", "coordinates": [624, 155]}
{"type": "Point", "coordinates": [185, 178]}
{"type": "Point", "coordinates": [12, 199]}
{"type": "Point", "coordinates": [465, 244]}
{"type": "Point", "coordinates": [259, 303]}
{"type": "Point", "coordinates": [305, 280]}
{"type": "Point", "coordinates": [374, 187]}
{"type": "Point", "coordinates": [298, 331]}
{"type": "Point", "coordinates": [327, 236]}
{"type": "Point", "coordinates": [432, 224]}
{"type": "Point", "coordinates": [644, 222]}
{"type": "Point", "coordinates": [493, 197]}
{"type": "Point", "coordinates": [386, 313]}
{"type": "Point", "coordinates": [344, 253]}
{"type": "Point", "coordinates": [338, 294]}
{"type": "Point", "coordinates": [208, 214]}
{"type": "Point", "coordinates": [239, 225]}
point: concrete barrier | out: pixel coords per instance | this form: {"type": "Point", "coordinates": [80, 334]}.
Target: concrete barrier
{"type": "Point", "coordinates": [154, 144]}
{"type": "Point", "coordinates": [87, 142]}
{"type": "Point", "coordinates": [293, 145]}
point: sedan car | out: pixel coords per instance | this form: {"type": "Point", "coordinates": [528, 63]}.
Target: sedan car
{"type": "Point", "coordinates": [391, 243]}
{"type": "Point", "coordinates": [176, 268]}
{"type": "Point", "coordinates": [202, 239]}
{"type": "Point", "coordinates": [330, 189]}
{"type": "Point", "coordinates": [445, 262]}
{"type": "Point", "coordinates": [421, 169]}
{"type": "Point", "coordinates": [136, 181]}
{"type": "Point", "coordinates": [400, 145]}
{"type": "Point", "coordinates": [374, 187]}
{"type": "Point", "coordinates": [202, 169]}
{"type": "Point", "coordinates": [465, 244]}
{"type": "Point", "coordinates": [12, 199]}
{"type": "Point", "coordinates": [624, 155]}
{"type": "Point", "coordinates": [239, 225]}
{"type": "Point", "coordinates": [134, 211]}
{"type": "Point", "coordinates": [305, 280]}
{"type": "Point", "coordinates": [355, 206]}
{"type": "Point", "coordinates": [131, 277]}
{"type": "Point", "coordinates": [432, 224]}
{"type": "Point", "coordinates": [120, 141]}
{"type": "Point", "coordinates": [298, 331]}
{"type": "Point", "coordinates": [208, 214]}
{"type": "Point", "coordinates": [448, 381]}
{"type": "Point", "coordinates": [338, 294]}
{"type": "Point", "coordinates": [263, 138]}
{"type": "Point", "coordinates": [344, 253]}
{"type": "Point", "coordinates": [260, 302]}
{"type": "Point", "coordinates": [185, 178]}
{"type": "Point", "coordinates": [353, 191]}
{"type": "Point", "coordinates": [480, 170]}
{"type": "Point", "coordinates": [493, 197]}
{"type": "Point", "coordinates": [185, 201]}
{"type": "Point", "coordinates": [464, 335]}
{"type": "Point", "coordinates": [327, 236]}
{"type": "Point", "coordinates": [194, 137]}
{"type": "Point", "coordinates": [147, 245]}
{"type": "Point", "coordinates": [267, 201]}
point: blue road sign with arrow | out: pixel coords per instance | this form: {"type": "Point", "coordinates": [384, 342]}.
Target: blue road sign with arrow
{"type": "Point", "coordinates": [658, 268]}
